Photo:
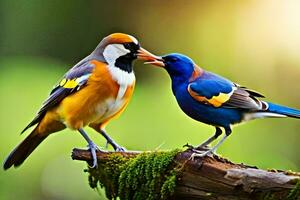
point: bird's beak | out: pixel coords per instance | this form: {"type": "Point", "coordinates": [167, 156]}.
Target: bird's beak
{"type": "Point", "coordinates": [150, 58]}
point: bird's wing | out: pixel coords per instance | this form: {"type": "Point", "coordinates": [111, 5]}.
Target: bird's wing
{"type": "Point", "coordinates": [71, 82]}
{"type": "Point", "coordinates": [217, 91]}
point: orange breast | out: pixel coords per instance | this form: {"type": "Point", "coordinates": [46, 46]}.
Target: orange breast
{"type": "Point", "coordinates": [91, 102]}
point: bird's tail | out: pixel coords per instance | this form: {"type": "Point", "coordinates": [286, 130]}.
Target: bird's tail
{"type": "Point", "coordinates": [24, 149]}
{"type": "Point", "coordinates": [283, 110]}
{"type": "Point", "coordinates": [273, 110]}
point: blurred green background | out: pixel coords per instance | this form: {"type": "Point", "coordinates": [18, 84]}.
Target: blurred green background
{"type": "Point", "coordinates": [255, 43]}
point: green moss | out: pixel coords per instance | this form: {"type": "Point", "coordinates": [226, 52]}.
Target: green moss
{"type": "Point", "coordinates": [268, 196]}
{"type": "Point", "coordinates": [295, 192]}
{"type": "Point", "coordinates": [169, 185]}
{"type": "Point", "coordinates": [107, 174]}
{"type": "Point", "coordinates": [147, 176]}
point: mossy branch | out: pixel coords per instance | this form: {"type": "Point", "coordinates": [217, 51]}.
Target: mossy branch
{"type": "Point", "coordinates": [172, 175]}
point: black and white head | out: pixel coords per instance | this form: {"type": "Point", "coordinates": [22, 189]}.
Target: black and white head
{"type": "Point", "coordinates": [118, 50]}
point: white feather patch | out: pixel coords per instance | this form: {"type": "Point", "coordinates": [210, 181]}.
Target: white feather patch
{"type": "Point", "coordinates": [122, 77]}
{"type": "Point", "coordinates": [82, 79]}
{"type": "Point", "coordinates": [113, 51]}
{"type": "Point", "coordinates": [257, 115]}
{"type": "Point", "coordinates": [134, 40]}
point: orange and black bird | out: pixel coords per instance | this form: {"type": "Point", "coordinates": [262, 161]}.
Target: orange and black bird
{"type": "Point", "coordinates": [94, 91]}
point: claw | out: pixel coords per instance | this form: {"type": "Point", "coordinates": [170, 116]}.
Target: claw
{"type": "Point", "coordinates": [203, 147]}
{"type": "Point", "coordinates": [188, 146]}
{"type": "Point", "coordinates": [116, 147]}
{"type": "Point", "coordinates": [200, 154]}
{"type": "Point", "coordinates": [93, 148]}
{"type": "Point", "coordinates": [192, 158]}
{"type": "Point", "coordinates": [197, 151]}
{"type": "Point", "coordinates": [110, 141]}
{"type": "Point", "coordinates": [120, 149]}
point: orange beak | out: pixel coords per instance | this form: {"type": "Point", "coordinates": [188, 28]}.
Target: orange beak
{"type": "Point", "coordinates": [150, 58]}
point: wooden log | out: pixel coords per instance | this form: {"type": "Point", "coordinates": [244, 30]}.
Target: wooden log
{"type": "Point", "coordinates": [216, 178]}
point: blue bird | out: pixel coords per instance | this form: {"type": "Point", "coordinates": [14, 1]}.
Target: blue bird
{"type": "Point", "coordinates": [214, 100]}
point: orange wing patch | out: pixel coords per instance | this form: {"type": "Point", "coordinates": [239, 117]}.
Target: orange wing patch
{"type": "Point", "coordinates": [196, 73]}
{"type": "Point", "coordinates": [215, 101]}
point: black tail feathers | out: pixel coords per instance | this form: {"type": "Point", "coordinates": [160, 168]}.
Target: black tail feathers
{"type": "Point", "coordinates": [23, 150]}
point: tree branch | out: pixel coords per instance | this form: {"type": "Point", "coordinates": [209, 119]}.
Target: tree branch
{"type": "Point", "coordinates": [212, 178]}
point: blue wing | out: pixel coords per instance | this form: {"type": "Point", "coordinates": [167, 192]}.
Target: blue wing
{"type": "Point", "coordinates": [217, 91]}
{"type": "Point", "coordinates": [71, 82]}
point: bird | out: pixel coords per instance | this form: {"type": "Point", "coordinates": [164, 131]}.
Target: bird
{"type": "Point", "coordinates": [214, 100]}
{"type": "Point", "coordinates": [92, 93]}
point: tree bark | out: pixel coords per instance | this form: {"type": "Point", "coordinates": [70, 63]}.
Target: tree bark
{"type": "Point", "coordinates": [216, 178]}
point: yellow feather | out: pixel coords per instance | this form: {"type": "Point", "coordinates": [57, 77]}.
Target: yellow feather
{"type": "Point", "coordinates": [217, 101]}
{"type": "Point", "coordinates": [68, 83]}
{"type": "Point", "coordinates": [62, 82]}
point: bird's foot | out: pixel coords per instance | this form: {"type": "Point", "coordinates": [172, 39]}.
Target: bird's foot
{"type": "Point", "coordinates": [93, 149]}
{"type": "Point", "coordinates": [116, 146]}
{"type": "Point", "coordinates": [202, 147]}
{"type": "Point", "coordinates": [200, 154]}
{"type": "Point", "coordinates": [120, 149]}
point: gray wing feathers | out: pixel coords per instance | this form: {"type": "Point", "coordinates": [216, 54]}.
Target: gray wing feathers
{"type": "Point", "coordinates": [79, 73]}
{"type": "Point", "coordinates": [245, 99]}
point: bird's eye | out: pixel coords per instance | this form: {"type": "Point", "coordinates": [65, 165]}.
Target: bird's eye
{"type": "Point", "coordinates": [173, 59]}
{"type": "Point", "coordinates": [127, 45]}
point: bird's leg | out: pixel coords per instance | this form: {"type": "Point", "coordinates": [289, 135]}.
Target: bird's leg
{"type": "Point", "coordinates": [111, 141]}
{"type": "Point", "coordinates": [212, 150]}
{"type": "Point", "coordinates": [91, 145]}
{"type": "Point", "coordinates": [210, 140]}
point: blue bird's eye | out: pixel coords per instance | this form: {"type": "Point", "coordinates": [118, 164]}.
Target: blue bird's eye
{"type": "Point", "coordinates": [172, 59]}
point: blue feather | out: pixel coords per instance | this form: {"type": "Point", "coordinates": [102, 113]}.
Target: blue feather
{"type": "Point", "coordinates": [210, 85]}
{"type": "Point", "coordinates": [283, 110]}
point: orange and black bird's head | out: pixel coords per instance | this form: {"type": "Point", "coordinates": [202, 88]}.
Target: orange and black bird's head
{"type": "Point", "coordinates": [119, 50]}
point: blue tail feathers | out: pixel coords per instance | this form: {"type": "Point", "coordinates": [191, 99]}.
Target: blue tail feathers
{"type": "Point", "coordinates": [283, 110]}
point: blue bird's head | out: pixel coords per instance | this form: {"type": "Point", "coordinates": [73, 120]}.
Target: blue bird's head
{"type": "Point", "coordinates": [179, 67]}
